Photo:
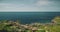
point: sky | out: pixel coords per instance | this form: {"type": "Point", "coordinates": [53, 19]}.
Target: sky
{"type": "Point", "coordinates": [29, 5]}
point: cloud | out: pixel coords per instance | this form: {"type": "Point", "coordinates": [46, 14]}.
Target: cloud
{"type": "Point", "coordinates": [16, 7]}
{"type": "Point", "coordinates": [46, 5]}
{"type": "Point", "coordinates": [43, 3]}
{"type": "Point", "coordinates": [37, 6]}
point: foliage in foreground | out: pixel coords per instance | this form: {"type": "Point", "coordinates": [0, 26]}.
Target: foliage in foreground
{"type": "Point", "coordinates": [10, 26]}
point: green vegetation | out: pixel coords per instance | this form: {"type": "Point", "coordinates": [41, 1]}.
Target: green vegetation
{"type": "Point", "coordinates": [11, 26]}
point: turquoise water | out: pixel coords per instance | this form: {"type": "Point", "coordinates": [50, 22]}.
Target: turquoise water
{"type": "Point", "coordinates": [29, 17]}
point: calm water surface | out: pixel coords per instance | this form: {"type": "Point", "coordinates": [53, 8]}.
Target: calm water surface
{"type": "Point", "coordinates": [29, 17]}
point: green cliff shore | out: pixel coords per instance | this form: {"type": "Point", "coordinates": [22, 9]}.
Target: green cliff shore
{"type": "Point", "coordinates": [11, 26]}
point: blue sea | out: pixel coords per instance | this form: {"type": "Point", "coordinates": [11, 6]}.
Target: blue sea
{"type": "Point", "coordinates": [29, 17]}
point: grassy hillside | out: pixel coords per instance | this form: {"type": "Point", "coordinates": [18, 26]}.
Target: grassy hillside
{"type": "Point", "coordinates": [11, 26]}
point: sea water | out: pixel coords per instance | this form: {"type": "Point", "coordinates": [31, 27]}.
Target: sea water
{"type": "Point", "coordinates": [29, 17]}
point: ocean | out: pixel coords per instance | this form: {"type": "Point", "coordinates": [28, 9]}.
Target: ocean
{"type": "Point", "coordinates": [29, 17]}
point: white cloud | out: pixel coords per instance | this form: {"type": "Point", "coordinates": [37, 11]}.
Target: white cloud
{"type": "Point", "coordinates": [38, 6]}
{"type": "Point", "coordinates": [16, 7]}
{"type": "Point", "coordinates": [42, 3]}
{"type": "Point", "coordinates": [46, 5]}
